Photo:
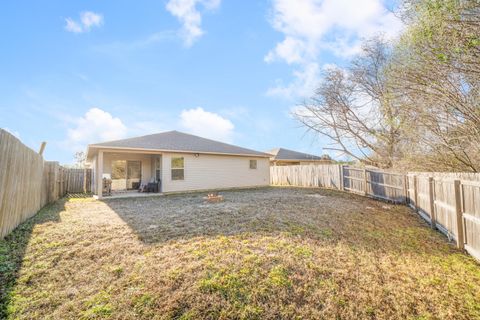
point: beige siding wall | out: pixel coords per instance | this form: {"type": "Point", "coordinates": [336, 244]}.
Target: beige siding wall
{"type": "Point", "coordinates": [215, 172]}
{"type": "Point", "coordinates": [145, 159]}
{"type": "Point", "coordinates": [94, 174]}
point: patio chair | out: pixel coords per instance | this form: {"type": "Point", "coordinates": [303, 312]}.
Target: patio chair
{"type": "Point", "coordinates": [107, 187]}
{"type": "Point", "coordinates": [154, 187]}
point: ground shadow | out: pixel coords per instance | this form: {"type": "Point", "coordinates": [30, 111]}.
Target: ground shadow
{"type": "Point", "coordinates": [315, 214]}
{"type": "Point", "coordinates": [79, 195]}
{"type": "Point", "coordinates": [13, 247]}
{"type": "Point", "coordinates": [169, 255]}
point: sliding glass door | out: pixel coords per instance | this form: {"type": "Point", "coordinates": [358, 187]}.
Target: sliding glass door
{"type": "Point", "coordinates": [134, 174]}
{"type": "Point", "coordinates": [119, 175]}
{"type": "Point", "coordinates": [126, 174]}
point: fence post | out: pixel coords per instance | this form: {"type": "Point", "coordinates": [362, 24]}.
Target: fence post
{"type": "Point", "coordinates": [459, 215]}
{"type": "Point", "coordinates": [68, 183]}
{"type": "Point", "coordinates": [99, 174]}
{"type": "Point", "coordinates": [84, 180]}
{"type": "Point", "coordinates": [49, 182]}
{"type": "Point", "coordinates": [340, 167]}
{"type": "Point", "coordinates": [405, 187]}
{"type": "Point", "coordinates": [415, 192]}
{"type": "Point", "coordinates": [431, 192]}
{"type": "Point", "coordinates": [365, 181]}
{"type": "Point", "coordinates": [60, 176]}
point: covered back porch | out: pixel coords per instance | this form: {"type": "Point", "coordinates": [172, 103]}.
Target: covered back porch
{"type": "Point", "coordinates": [126, 173]}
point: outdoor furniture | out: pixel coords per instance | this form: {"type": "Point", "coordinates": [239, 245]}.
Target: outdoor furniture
{"type": "Point", "coordinates": [107, 187]}
{"type": "Point", "coordinates": [152, 187]}
{"type": "Point", "coordinates": [135, 185]}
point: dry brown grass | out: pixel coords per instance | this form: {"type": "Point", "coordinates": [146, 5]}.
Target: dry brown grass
{"type": "Point", "coordinates": [266, 253]}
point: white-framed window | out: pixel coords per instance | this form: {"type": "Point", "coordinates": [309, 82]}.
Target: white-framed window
{"type": "Point", "coordinates": [253, 164]}
{"type": "Point", "coordinates": [178, 168]}
{"type": "Point", "coordinates": [158, 173]}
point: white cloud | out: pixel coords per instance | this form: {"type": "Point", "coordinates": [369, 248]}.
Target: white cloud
{"type": "Point", "coordinates": [72, 26]}
{"type": "Point", "coordinates": [291, 50]}
{"type": "Point", "coordinates": [305, 80]}
{"type": "Point", "coordinates": [96, 125]}
{"type": "Point", "coordinates": [313, 26]}
{"type": "Point", "coordinates": [88, 19]}
{"type": "Point", "coordinates": [207, 124]}
{"type": "Point", "coordinates": [188, 14]}
{"type": "Point", "coordinates": [91, 19]}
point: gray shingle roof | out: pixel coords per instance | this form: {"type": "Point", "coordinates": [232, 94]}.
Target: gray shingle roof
{"type": "Point", "coordinates": [285, 154]}
{"type": "Point", "coordinates": [178, 141]}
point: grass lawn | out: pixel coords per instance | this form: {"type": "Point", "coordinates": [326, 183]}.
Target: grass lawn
{"type": "Point", "coordinates": [273, 253]}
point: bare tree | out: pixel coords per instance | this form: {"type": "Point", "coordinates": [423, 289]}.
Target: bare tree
{"type": "Point", "coordinates": [355, 109]}
{"type": "Point", "coordinates": [436, 73]}
{"type": "Point", "coordinates": [414, 104]}
{"type": "Point", "coordinates": [80, 158]}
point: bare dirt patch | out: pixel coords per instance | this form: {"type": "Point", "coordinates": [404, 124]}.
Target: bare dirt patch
{"type": "Point", "coordinates": [267, 253]}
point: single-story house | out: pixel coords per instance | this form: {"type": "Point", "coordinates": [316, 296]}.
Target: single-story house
{"type": "Point", "coordinates": [285, 157]}
{"type": "Point", "coordinates": [176, 162]}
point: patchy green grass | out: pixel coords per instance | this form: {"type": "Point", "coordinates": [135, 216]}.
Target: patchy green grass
{"type": "Point", "coordinates": [273, 253]}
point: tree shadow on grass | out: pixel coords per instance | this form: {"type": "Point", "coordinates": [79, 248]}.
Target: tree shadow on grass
{"type": "Point", "coordinates": [13, 248]}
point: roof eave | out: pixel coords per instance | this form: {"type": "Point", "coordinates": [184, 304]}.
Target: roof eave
{"type": "Point", "coordinates": [90, 146]}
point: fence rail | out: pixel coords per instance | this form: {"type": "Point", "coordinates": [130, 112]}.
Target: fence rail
{"type": "Point", "coordinates": [28, 183]}
{"type": "Point", "coordinates": [450, 202]}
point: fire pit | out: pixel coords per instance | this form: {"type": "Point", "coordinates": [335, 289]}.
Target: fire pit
{"type": "Point", "coordinates": [213, 198]}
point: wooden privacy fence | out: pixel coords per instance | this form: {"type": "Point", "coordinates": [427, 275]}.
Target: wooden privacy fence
{"type": "Point", "coordinates": [378, 184]}
{"type": "Point", "coordinates": [78, 180]}
{"type": "Point", "coordinates": [450, 202]}
{"type": "Point", "coordinates": [70, 180]}
{"type": "Point", "coordinates": [27, 182]}
{"type": "Point", "coordinates": [384, 185]}
{"type": "Point", "coordinates": [326, 176]}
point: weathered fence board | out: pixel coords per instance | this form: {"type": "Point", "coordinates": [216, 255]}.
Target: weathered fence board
{"type": "Point", "coordinates": [444, 204]}
{"type": "Point", "coordinates": [27, 182]}
{"type": "Point", "coordinates": [354, 180]}
{"type": "Point", "coordinates": [385, 185]}
{"type": "Point", "coordinates": [423, 190]}
{"type": "Point", "coordinates": [411, 181]}
{"type": "Point", "coordinates": [21, 181]}
{"type": "Point", "coordinates": [326, 176]}
{"type": "Point", "coordinates": [78, 180]}
{"type": "Point", "coordinates": [471, 216]}
{"type": "Point", "coordinates": [377, 184]}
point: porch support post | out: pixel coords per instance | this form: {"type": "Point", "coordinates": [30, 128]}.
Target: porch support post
{"type": "Point", "coordinates": [100, 174]}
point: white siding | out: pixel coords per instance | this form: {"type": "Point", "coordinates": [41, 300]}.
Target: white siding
{"type": "Point", "coordinates": [94, 174]}
{"type": "Point", "coordinates": [215, 172]}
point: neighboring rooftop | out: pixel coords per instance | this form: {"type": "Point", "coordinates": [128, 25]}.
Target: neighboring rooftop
{"type": "Point", "coordinates": [285, 154]}
{"type": "Point", "coordinates": [177, 141]}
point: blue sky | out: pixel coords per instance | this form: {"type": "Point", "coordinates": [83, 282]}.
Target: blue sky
{"type": "Point", "coordinates": [79, 72]}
